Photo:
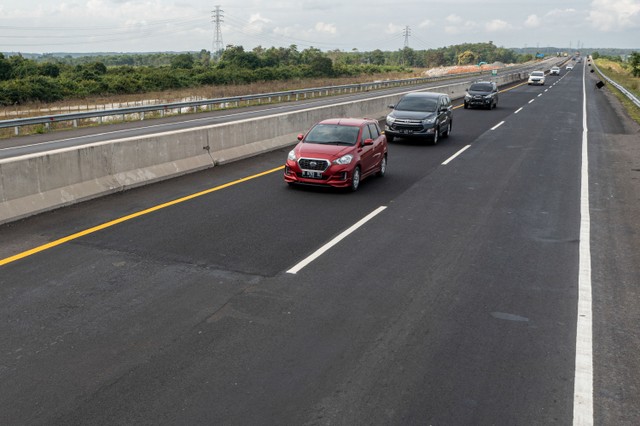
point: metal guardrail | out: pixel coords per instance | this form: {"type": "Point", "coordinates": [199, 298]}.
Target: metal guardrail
{"type": "Point", "coordinates": [223, 103]}
{"type": "Point", "coordinates": [627, 93]}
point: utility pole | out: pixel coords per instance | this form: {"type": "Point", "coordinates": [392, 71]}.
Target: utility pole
{"type": "Point", "coordinates": [218, 46]}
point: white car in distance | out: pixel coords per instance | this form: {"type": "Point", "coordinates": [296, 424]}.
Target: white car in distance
{"type": "Point", "coordinates": [536, 77]}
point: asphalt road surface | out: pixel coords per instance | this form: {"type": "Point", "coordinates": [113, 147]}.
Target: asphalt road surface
{"type": "Point", "coordinates": [459, 301]}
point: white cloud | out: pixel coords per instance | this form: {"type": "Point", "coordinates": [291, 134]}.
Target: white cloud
{"type": "Point", "coordinates": [457, 25]}
{"type": "Point", "coordinates": [498, 25]}
{"type": "Point", "coordinates": [560, 13]}
{"type": "Point", "coordinates": [532, 21]}
{"type": "Point", "coordinates": [257, 23]}
{"type": "Point", "coordinates": [288, 31]}
{"type": "Point", "coordinates": [308, 5]}
{"type": "Point", "coordinates": [454, 19]}
{"type": "Point", "coordinates": [615, 15]}
{"type": "Point", "coordinates": [393, 29]}
{"type": "Point", "coordinates": [150, 25]}
{"type": "Point", "coordinates": [318, 31]}
{"type": "Point", "coordinates": [321, 27]}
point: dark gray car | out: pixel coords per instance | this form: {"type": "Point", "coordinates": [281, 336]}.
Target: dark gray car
{"type": "Point", "coordinates": [483, 94]}
{"type": "Point", "coordinates": [425, 115]}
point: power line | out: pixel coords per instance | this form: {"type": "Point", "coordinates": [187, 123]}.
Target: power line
{"type": "Point", "coordinates": [239, 26]}
{"type": "Point", "coordinates": [160, 22]}
{"type": "Point", "coordinates": [121, 33]}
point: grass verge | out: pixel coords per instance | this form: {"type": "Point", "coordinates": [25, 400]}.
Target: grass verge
{"type": "Point", "coordinates": [621, 75]}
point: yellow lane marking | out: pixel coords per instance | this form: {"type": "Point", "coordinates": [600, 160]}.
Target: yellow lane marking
{"type": "Point", "coordinates": [129, 217]}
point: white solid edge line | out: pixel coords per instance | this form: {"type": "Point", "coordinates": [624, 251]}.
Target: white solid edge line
{"type": "Point", "coordinates": [335, 241]}
{"type": "Point", "coordinates": [456, 154]}
{"type": "Point", "coordinates": [497, 125]}
{"type": "Point", "coordinates": [583, 381]}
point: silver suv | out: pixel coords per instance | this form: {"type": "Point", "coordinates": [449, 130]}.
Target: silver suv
{"type": "Point", "coordinates": [424, 115]}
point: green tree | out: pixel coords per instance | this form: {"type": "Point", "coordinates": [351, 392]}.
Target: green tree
{"type": "Point", "coordinates": [377, 57]}
{"type": "Point", "coordinates": [43, 89]}
{"type": "Point", "coordinates": [49, 69]}
{"type": "Point", "coordinates": [408, 56]}
{"type": "Point", "coordinates": [321, 66]}
{"type": "Point", "coordinates": [21, 67]}
{"type": "Point", "coordinates": [467, 58]}
{"type": "Point", "coordinates": [235, 56]}
{"type": "Point", "coordinates": [204, 57]}
{"type": "Point", "coordinates": [634, 61]}
{"type": "Point", "coordinates": [310, 54]}
{"type": "Point", "coordinates": [12, 92]}
{"type": "Point", "coordinates": [434, 58]}
{"type": "Point", "coordinates": [98, 67]}
{"type": "Point", "coordinates": [5, 68]}
{"type": "Point", "coordinates": [182, 61]}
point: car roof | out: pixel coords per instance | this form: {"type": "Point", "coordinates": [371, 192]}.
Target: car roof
{"type": "Point", "coordinates": [424, 95]}
{"type": "Point", "coordinates": [483, 83]}
{"type": "Point", "coordinates": [347, 121]}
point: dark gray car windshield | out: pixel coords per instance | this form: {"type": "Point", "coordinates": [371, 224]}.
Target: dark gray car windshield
{"type": "Point", "coordinates": [481, 87]}
{"type": "Point", "coordinates": [416, 104]}
{"type": "Point", "coordinates": [333, 134]}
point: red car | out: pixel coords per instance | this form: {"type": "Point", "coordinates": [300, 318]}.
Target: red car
{"type": "Point", "coordinates": [339, 152]}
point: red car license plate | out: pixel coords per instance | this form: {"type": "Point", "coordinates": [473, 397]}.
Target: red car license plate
{"type": "Point", "coordinates": [311, 174]}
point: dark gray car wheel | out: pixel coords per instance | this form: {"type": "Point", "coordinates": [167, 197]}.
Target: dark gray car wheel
{"type": "Point", "coordinates": [436, 135]}
{"type": "Point", "coordinates": [448, 131]}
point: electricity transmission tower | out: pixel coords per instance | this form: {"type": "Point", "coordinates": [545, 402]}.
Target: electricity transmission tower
{"type": "Point", "coordinates": [218, 46]}
{"type": "Point", "coordinates": [406, 33]}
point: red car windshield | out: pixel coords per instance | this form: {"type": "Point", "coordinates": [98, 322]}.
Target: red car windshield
{"type": "Point", "coordinates": [333, 134]}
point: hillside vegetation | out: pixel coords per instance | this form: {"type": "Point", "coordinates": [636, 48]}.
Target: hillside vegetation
{"type": "Point", "coordinates": [49, 78]}
{"type": "Point", "coordinates": [625, 73]}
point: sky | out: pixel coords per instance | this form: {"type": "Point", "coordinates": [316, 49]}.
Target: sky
{"type": "Point", "coordinates": [34, 26]}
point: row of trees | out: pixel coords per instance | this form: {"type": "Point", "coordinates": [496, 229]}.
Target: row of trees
{"type": "Point", "coordinates": [452, 55]}
{"type": "Point", "coordinates": [24, 80]}
{"type": "Point", "coordinates": [51, 78]}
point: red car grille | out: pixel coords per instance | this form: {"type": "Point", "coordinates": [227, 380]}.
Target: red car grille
{"type": "Point", "coordinates": [312, 164]}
